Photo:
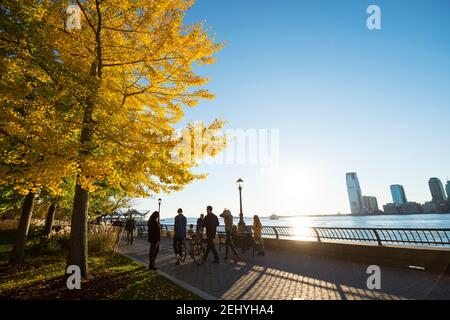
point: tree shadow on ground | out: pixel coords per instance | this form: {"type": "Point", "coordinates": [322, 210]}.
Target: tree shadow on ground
{"type": "Point", "coordinates": [303, 276]}
{"type": "Point", "coordinates": [97, 287]}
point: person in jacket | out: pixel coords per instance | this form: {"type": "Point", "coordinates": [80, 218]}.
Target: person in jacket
{"type": "Point", "coordinates": [211, 222]}
{"type": "Point", "coordinates": [180, 235]}
{"type": "Point", "coordinates": [130, 226]}
{"type": "Point", "coordinates": [154, 238]}
{"type": "Point", "coordinates": [228, 220]}
{"type": "Point", "coordinates": [257, 230]}
{"type": "Point", "coordinates": [199, 227]}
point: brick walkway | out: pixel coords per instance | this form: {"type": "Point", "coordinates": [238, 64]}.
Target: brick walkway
{"type": "Point", "coordinates": [283, 276]}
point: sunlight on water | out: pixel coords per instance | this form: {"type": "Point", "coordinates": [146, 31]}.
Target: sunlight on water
{"type": "Point", "coordinates": [302, 228]}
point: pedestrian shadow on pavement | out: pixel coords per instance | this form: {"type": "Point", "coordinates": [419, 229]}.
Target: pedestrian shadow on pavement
{"type": "Point", "coordinates": [279, 275]}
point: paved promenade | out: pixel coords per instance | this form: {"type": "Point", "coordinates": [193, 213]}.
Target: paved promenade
{"type": "Point", "coordinates": [283, 276]}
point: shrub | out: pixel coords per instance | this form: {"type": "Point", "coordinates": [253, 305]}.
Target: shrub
{"type": "Point", "coordinates": [102, 238]}
{"type": "Point", "coordinates": [58, 243]}
{"type": "Point", "coordinates": [9, 224]}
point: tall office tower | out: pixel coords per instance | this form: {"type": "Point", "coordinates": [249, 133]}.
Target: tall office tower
{"type": "Point", "coordinates": [437, 190]}
{"type": "Point", "coordinates": [447, 188]}
{"type": "Point", "coordinates": [398, 194]}
{"type": "Point", "coordinates": [374, 203]}
{"type": "Point", "coordinates": [354, 193]}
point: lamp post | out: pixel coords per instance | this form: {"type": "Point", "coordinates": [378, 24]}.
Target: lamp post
{"type": "Point", "coordinates": [241, 224]}
{"type": "Point", "coordinates": [159, 205]}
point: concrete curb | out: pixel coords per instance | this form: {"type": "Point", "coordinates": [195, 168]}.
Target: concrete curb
{"type": "Point", "coordinates": [202, 294]}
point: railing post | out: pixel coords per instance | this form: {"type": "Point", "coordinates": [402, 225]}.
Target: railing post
{"type": "Point", "coordinates": [377, 236]}
{"type": "Point", "coordinates": [317, 234]}
{"type": "Point", "coordinates": [276, 233]}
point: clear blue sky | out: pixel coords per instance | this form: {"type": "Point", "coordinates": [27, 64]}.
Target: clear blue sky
{"type": "Point", "coordinates": [343, 97]}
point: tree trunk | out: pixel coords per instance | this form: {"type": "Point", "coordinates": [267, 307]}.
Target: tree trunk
{"type": "Point", "coordinates": [78, 231]}
{"type": "Point", "coordinates": [18, 253]}
{"type": "Point", "coordinates": [78, 252]}
{"type": "Point", "coordinates": [49, 220]}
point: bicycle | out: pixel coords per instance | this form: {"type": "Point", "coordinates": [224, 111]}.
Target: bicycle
{"type": "Point", "coordinates": [196, 247]}
{"type": "Point", "coordinates": [244, 241]}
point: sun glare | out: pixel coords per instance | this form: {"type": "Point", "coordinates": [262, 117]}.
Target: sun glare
{"type": "Point", "coordinates": [296, 183]}
{"type": "Point", "coordinates": [302, 228]}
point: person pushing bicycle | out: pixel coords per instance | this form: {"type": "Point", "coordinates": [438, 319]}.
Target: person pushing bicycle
{"type": "Point", "coordinates": [180, 235]}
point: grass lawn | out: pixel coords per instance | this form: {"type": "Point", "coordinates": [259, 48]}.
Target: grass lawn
{"type": "Point", "coordinates": [112, 276]}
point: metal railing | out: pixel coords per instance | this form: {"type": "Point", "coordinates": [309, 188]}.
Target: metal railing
{"type": "Point", "coordinates": [379, 236]}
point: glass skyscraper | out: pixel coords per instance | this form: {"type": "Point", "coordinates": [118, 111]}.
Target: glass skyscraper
{"type": "Point", "coordinates": [398, 194]}
{"type": "Point", "coordinates": [354, 193]}
{"type": "Point", "coordinates": [437, 190]}
{"type": "Point", "coordinates": [447, 188]}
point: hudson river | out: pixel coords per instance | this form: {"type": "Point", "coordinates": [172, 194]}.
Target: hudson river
{"type": "Point", "coordinates": [381, 221]}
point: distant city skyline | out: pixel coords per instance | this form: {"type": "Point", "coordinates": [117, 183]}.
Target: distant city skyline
{"type": "Point", "coordinates": [360, 204]}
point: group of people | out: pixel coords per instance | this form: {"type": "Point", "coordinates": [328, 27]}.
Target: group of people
{"type": "Point", "coordinates": [208, 223]}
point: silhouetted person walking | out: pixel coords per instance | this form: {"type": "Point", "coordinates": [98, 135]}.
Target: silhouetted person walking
{"type": "Point", "coordinates": [211, 222]}
{"type": "Point", "coordinates": [257, 235]}
{"type": "Point", "coordinates": [180, 234]}
{"type": "Point", "coordinates": [228, 220]}
{"type": "Point", "coordinates": [129, 228]}
{"type": "Point", "coordinates": [154, 237]}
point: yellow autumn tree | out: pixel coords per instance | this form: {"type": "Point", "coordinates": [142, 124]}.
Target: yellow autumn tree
{"type": "Point", "coordinates": [133, 65]}
{"type": "Point", "coordinates": [101, 102]}
{"type": "Point", "coordinates": [38, 137]}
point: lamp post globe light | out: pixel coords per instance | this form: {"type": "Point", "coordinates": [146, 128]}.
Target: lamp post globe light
{"type": "Point", "coordinates": [159, 205]}
{"type": "Point", "coordinates": [241, 224]}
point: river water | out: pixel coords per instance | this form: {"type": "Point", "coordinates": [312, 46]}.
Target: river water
{"type": "Point", "coordinates": [349, 221]}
